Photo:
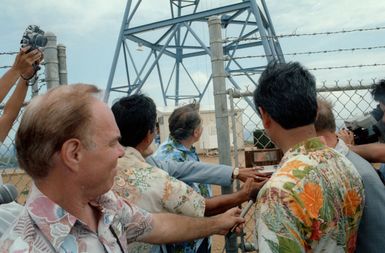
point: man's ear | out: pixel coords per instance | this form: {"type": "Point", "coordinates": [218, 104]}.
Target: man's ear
{"type": "Point", "coordinates": [71, 153]}
{"type": "Point", "coordinates": [149, 137]}
{"type": "Point", "coordinates": [196, 132]}
{"type": "Point", "coordinates": [266, 119]}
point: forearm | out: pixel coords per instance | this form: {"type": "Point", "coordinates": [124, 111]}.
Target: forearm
{"type": "Point", "coordinates": [169, 228]}
{"type": "Point", "coordinates": [12, 108]}
{"type": "Point", "coordinates": [198, 172]}
{"type": "Point", "coordinates": [7, 81]}
{"type": "Point", "coordinates": [374, 152]}
{"type": "Point", "coordinates": [222, 203]}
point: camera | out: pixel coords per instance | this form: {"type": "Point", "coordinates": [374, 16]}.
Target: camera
{"type": "Point", "coordinates": [367, 128]}
{"type": "Point", "coordinates": [33, 37]}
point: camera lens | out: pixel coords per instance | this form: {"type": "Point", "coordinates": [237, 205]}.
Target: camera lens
{"type": "Point", "coordinates": [41, 41]}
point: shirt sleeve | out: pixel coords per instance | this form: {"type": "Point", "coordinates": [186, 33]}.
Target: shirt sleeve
{"type": "Point", "coordinates": [136, 222]}
{"type": "Point", "coordinates": [195, 172]}
{"type": "Point", "coordinates": [8, 214]}
{"type": "Point", "coordinates": [180, 198]}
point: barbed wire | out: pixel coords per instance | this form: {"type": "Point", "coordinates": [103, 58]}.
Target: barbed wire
{"type": "Point", "coordinates": [323, 86]}
{"type": "Point", "coordinates": [309, 52]}
{"type": "Point", "coordinates": [233, 39]}
{"type": "Point", "coordinates": [348, 66]}
{"type": "Point", "coordinates": [8, 53]}
{"type": "Point", "coordinates": [319, 68]}
{"type": "Point", "coordinates": [6, 66]}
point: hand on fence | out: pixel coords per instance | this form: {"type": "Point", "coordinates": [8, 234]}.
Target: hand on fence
{"type": "Point", "coordinates": [346, 135]}
{"type": "Point", "coordinates": [254, 173]}
{"type": "Point", "coordinates": [230, 219]}
{"type": "Point", "coordinates": [251, 185]}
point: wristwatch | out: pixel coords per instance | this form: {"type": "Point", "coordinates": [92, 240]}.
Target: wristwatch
{"type": "Point", "coordinates": [235, 173]}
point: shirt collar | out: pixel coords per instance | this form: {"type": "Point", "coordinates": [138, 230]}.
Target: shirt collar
{"type": "Point", "coordinates": [180, 146]}
{"type": "Point", "coordinates": [342, 147]}
{"type": "Point", "coordinates": [304, 147]}
{"type": "Point", "coordinates": [130, 151]}
{"type": "Point", "coordinates": [55, 223]}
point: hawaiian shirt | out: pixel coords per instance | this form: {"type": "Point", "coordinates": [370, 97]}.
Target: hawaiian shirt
{"type": "Point", "coordinates": [155, 191]}
{"type": "Point", "coordinates": [171, 149]}
{"type": "Point", "coordinates": [43, 226]}
{"type": "Point", "coordinates": [313, 203]}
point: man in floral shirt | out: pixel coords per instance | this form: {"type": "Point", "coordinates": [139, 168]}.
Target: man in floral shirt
{"type": "Point", "coordinates": [68, 142]}
{"type": "Point", "coordinates": [314, 202]}
{"type": "Point", "coordinates": [372, 226]}
{"type": "Point", "coordinates": [149, 187]}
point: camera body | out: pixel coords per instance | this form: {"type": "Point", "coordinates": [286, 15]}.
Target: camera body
{"type": "Point", "coordinates": [33, 37]}
{"type": "Point", "coordinates": [367, 128]}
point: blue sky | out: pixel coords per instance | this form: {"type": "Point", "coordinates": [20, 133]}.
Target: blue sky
{"type": "Point", "coordinates": [89, 29]}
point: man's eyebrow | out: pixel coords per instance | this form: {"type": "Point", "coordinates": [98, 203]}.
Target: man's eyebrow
{"type": "Point", "coordinates": [117, 138]}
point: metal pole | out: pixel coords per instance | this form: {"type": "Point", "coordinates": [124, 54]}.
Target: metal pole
{"type": "Point", "coordinates": [262, 31]}
{"type": "Point", "coordinates": [61, 52]}
{"type": "Point", "coordinates": [221, 111]}
{"type": "Point", "coordinates": [51, 61]}
{"type": "Point", "coordinates": [117, 51]}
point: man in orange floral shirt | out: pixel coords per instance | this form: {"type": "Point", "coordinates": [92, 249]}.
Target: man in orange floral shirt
{"type": "Point", "coordinates": [314, 202]}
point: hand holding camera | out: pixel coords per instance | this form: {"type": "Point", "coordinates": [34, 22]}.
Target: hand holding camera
{"type": "Point", "coordinates": [30, 56]}
{"type": "Point", "coordinates": [25, 61]}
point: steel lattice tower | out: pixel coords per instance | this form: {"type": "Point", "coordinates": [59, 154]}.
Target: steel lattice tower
{"type": "Point", "coordinates": [169, 54]}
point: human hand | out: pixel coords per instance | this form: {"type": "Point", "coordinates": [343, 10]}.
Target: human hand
{"type": "Point", "coordinates": [24, 61]}
{"type": "Point", "coordinates": [250, 185]}
{"type": "Point", "coordinates": [254, 173]}
{"type": "Point", "coordinates": [346, 135]}
{"type": "Point", "coordinates": [226, 221]}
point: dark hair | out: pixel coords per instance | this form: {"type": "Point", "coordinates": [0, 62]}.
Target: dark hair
{"type": "Point", "coordinates": [287, 92]}
{"type": "Point", "coordinates": [325, 120]}
{"type": "Point", "coordinates": [183, 121]}
{"type": "Point", "coordinates": [135, 115]}
{"type": "Point", "coordinates": [378, 91]}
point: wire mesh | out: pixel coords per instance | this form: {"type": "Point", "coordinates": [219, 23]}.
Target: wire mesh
{"type": "Point", "coordinates": [9, 170]}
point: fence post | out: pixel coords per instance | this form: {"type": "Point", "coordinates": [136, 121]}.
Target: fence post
{"type": "Point", "coordinates": [62, 58]}
{"type": "Point", "coordinates": [51, 61]}
{"type": "Point", "coordinates": [221, 110]}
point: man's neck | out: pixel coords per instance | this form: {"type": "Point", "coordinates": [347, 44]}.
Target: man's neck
{"type": "Point", "coordinates": [330, 138]}
{"type": "Point", "coordinates": [78, 205]}
{"type": "Point", "coordinates": [188, 142]}
{"type": "Point", "coordinates": [144, 149]}
{"type": "Point", "coordinates": [289, 138]}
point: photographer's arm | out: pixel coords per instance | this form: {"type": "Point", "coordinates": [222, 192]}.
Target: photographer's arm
{"type": "Point", "coordinates": [7, 81]}
{"type": "Point", "coordinates": [373, 152]}
{"type": "Point", "coordinates": [12, 108]}
{"type": "Point", "coordinates": [22, 66]}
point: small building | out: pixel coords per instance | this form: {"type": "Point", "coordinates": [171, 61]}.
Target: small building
{"type": "Point", "coordinates": [208, 140]}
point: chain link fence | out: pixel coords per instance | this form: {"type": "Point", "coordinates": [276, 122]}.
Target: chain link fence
{"type": "Point", "coordinates": [349, 101]}
{"type": "Point", "coordinates": [9, 170]}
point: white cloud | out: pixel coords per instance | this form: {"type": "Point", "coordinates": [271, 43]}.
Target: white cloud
{"type": "Point", "coordinates": [73, 16]}
{"type": "Point", "coordinates": [90, 28]}
{"type": "Point", "coordinates": [315, 16]}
